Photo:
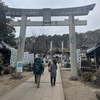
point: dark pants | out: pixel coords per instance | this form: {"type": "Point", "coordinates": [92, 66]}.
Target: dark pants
{"type": "Point", "coordinates": [53, 80]}
{"type": "Point", "coordinates": [35, 79]}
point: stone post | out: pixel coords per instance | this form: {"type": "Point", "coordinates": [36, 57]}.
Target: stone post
{"type": "Point", "coordinates": [21, 44]}
{"type": "Point", "coordinates": [62, 44]}
{"type": "Point", "coordinates": [51, 50]}
{"type": "Point", "coordinates": [72, 40]}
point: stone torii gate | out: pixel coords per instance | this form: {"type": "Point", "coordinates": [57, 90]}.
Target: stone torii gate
{"type": "Point", "coordinates": [46, 14]}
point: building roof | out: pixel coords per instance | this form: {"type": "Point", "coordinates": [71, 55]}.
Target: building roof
{"type": "Point", "coordinates": [96, 49]}
{"type": "Point", "coordinates": [4, 48]}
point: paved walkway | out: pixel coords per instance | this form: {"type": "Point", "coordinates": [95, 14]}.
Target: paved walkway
{"type": "Point", "coordinates": [29, 91]}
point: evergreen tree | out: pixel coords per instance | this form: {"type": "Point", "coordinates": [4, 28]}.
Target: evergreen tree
{"type": "Point", "coordinates": [6, 30]}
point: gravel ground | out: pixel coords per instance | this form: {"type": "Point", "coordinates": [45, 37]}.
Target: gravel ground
{"type": "Point", "coordinates": [7, 84]}
{"type": "Point", "coordinates": [77, 90]}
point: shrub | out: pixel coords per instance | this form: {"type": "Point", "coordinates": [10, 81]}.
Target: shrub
{"type": "Point", "coordinates": [79, 71]}
{"type": "Point", "coordinates": [27, 67]}
{"type": "Point", "coordinates": [87, 77]}
{"type": "Point", "coordinates": [7, 70]}
{"type": "Point", "coordinates": [68, 65]}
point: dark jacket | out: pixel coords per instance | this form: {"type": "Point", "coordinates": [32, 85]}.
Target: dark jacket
{"type": "Point", "coordinates": [41, 68]}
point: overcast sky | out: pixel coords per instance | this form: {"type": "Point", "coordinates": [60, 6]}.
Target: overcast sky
{"type": "Point", "coordinates": [93, 18]}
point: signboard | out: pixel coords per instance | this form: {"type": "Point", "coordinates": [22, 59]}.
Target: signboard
{"type": "Point", "coordinates": [79, 57]}
{"type": "Point", "coordinates": [26, 58]}
{"type": "Point", "coordinates": [31, 58]}
{"type": "Point", "coordinates": [13, 58]}
{"type": "Point", "coordinates": [19, 66]}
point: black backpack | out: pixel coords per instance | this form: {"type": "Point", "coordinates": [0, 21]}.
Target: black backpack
{"type": "Point", "coordinates": [37, 68]}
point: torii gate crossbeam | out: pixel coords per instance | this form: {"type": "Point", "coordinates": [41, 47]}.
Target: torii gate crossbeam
{"type": "Point", "coordinates": [52, 23]}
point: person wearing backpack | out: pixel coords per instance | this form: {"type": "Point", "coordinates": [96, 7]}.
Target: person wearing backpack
{"type": "Point", "coordinates": [37, 70]}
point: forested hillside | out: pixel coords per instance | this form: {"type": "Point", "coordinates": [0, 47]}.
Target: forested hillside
{"type": "Point", "coordinates": [42, 42]}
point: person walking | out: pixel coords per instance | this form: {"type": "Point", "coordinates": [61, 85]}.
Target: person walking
{"type": "Point", "coordinates": [49, 66]}
{"type": "Point", "coordinates": [43, 66]}
{"type": "Point", "coordinates": [1, 64]}
{"type": "Point", "coordinates": [53, 72]}
{"type": "Point", "coordinates": [37, 70]}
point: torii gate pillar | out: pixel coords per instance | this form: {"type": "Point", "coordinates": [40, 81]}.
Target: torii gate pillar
{"type": "Point", "coordinates": [22, 39]}
{"type": "Point", "coordinates": [72, 42]}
